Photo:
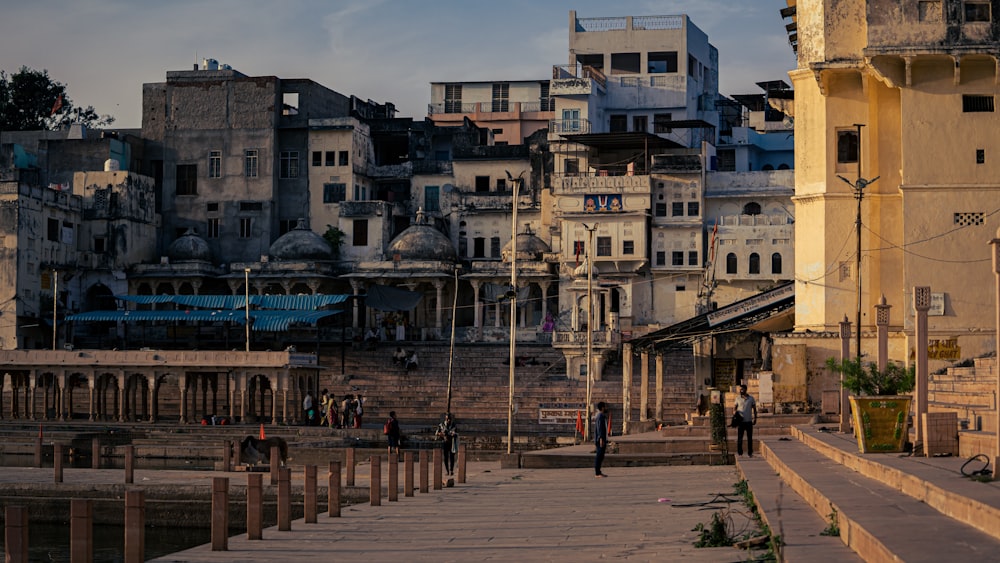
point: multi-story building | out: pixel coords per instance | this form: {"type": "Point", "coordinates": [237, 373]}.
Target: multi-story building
{"type": "Point", "coordinates": [511, 110]}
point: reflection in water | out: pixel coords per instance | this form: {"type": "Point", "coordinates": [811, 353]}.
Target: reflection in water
{"type": "Point", "coordinates": [50, 542]}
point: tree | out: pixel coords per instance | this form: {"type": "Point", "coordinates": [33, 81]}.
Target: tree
{"type": "Point", "coordinates": [31, 100]}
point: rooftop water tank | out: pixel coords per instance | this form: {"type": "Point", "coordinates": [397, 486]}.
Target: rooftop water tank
{"type": "Point", "coordinates": [209, 64]}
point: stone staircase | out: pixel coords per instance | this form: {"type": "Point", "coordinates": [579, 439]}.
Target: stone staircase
{"type": "Point", "coordinates": [967, 391]}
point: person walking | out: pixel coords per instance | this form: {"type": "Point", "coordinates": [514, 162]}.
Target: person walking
{"type": "Point", "coordinates": [324, 407]}
{"type": "Point", "coordinates": [448, 433]}
{"type": "Point", "coordinates": [392, 433]}
{"type": "Point", "coordinates": [600, 438]}
{"type": "Point", "coordinates": [359, 410]}
{"type": "Point", "coordinates": [307, 408]}
{"type": "Point", "coordinates": [347, 410]}
{"type": "Point", "coordinates": [746, 406]}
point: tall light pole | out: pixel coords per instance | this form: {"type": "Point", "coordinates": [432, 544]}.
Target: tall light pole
{"type": "Point", "coordinates": [516, 182]}
{"type": "Point", "coordinates": [590, 322]}
{"type": "Point", "coordinates": [451, 350]}
{"type": "Point", "coordinates": [858, 187]}
{"type": "Point", "coordinates": [246, 287]}
{"type": "Point", "coordinates": [55, 307]}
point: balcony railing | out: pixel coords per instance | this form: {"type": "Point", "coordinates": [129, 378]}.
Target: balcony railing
{"type": "Point", "coordinates": [565, 72]}
{"type": "Point", "coordinates": [569, 126]}
{"type": "Point", "coordinates": [500, 106]}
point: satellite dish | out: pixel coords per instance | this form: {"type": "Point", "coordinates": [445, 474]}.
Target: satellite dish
{"type": "Point", "coordinates": [448, 188]}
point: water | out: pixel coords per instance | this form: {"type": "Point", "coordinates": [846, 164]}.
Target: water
{"type": "Point", "coordinates": [50, 542]}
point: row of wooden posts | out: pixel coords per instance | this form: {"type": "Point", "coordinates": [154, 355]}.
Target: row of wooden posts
{"type": "Point", "coordinates": [81, 510]}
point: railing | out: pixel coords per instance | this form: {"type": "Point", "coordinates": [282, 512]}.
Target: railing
{"type": "Point", "coordinates": [569, 126]}
{"type": "Point", "coordinates": [563, 72]}
{"type": "Point", "coordinates": [502, 106]}
{"type": "Point", "coordinates": [638, 23]}
{"type": "Point", "coordinates": [600, 338]}
{"type": "Point", "coordinates": [754, 220]}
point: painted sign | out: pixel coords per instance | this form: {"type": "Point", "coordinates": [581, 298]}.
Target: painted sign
{"type": "Point", "coordinates": [559, 413]}
{"type": "Point", "coordinates": [602, 203]}
{"type": "Point", "coordinates": [947, 349]}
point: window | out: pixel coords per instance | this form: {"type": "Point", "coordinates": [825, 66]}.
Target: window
{"type": "Point", "coordinates": [288, 164]}
{"type": "Point", "coordinates": [285, 225]}
{"type": "Point", "coordinates": [752, 208]}
{"type": "Point", "coordinates": [677, 209]}
{"type": "Point", "coordinates": [579, 249]}
{"type": "Point", "coordinates": [625, 63]}
{"type": "Point", "coordinates": [977, 103]}
{"type": "Point", "coordinates": [501, 185]}
{"type": "Point", "coordinates": [246, 227]}
{"type": "Point", "coordinates": [495, 247]}
{"type": "Point", "coordinates": [847, 146]}
{"type": "Point", "coordinates": [479, 247]}
{"type": "Point", "coordinates": [345, 158]}
{"type": "Point", "coordinates": [501, 95]}
{"type": "Point", "coordinates": [251, 206]}
{"type": "Point", "coordinates": [604, 246]}
{"type": "Point", "coordinates": [212, 207]}
{"type": "Point", "coordinates": [334, 193]}
{"type": "Point", "coordinates": [187, 179]}
{"type": "Point", "coordinates": [692, 66]}
{"type": "Point", "coordinates": [289, 103]}
{"type": "Point", "coordinates": [432, 198]}
{"type": "Point", "coordinates": [731, 263]}
{"type": "Point", "coordinates": [330, 158]}
{"type": "Point", "coordinates": [453, 98]}
{"type": "Point", "coordinates": [661, 258]}
{"type": "Point", "coordinates": [980, 156]}
{"type": "Point", "coordinates": [754, 263]}
{"type": "Point", "coordinates": [545, 102]}
{"type": "Point", "coordinates": [693, 209]}
{"type": "Point", "coordinates": [212, 229]}
{"type": "Point", "coordinates": [52, 232]}
{"type": "Point", "coordinates": [662, 62]}
{"type": "Point", "coordinates": [640, 123]}
{"type": "Point", "coordinates": [570, 120]}
{"type": "Point", "coordinates": [482, 184]}
{"type": "Point", "coordinates": [619, 123]}
{"type": "Point", "coordinates": [100, 244]}
{"type": "Point", "coordinates": [628, 247]}
{"type": "Point", "coordinates": [317, 159]}
{"type": "Point", "coordinates": [776, 263]}
{"type": "Point", "coordinates": [214, 164]}
{"type": "Point", "coordinates": [692, 258]}
{"type": "Point", "coordinates": [359, 236]}
{"type": "Point", "coordinates": [977, 11]}
{"type": "Point", "coordinates": [571, 166]}
{"type": "Point", "coordinates": [661, 122]}
{"type": "Point", "coordinates": [661, 209]}
{"type": "Point", "coordinates": [677, 258]}
{"type": "Point", "coordinates": [250, 167]}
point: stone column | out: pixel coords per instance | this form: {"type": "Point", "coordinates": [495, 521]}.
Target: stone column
{"type": "Point", "coordinates": [659, 388]}
{"type": "Point", "coordinates": [60, 391]}
{"type": "Point", "coordinates": [182, 384]}
{"type": "Point", "coordinates": [122, 397]}
{"type": "Point", "coordinates": [90, 390]}
{"type": "Point", "coordinates": [274, 401]}
{"type": "Point", "coordinates": [439, 288]}
{"type": "Point", "coordinates": [643, 386]}
{"type": "Point", "coordinates": [845, 354]}
{"type": "Point", "coordinates": [356, 289]}
{"type": "Point", "coordinates": [544, 286]}
{"type": "Point", "coordinates": [882, 331]}
{"type": "Point", "coordinates": [626, 386]}
{"type": "Point", "coordinates": [922, 303]}
{"type": "Point", "coordinates": [478, 314]}
{"type": "Point", "coordinates": [996, 299]}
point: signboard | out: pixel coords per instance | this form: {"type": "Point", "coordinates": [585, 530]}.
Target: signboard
{"type": "Point", "coordinates": [602, 203]}
{"type": "Point", "coordinates": [750, 305]}
{"type": "Point", "coordinates": [937, 305]}
{"type": "Point", "coordinates": [301, 359]}
{"type": "Point", "coordinates": [560, 413]}
{"type": "Point", "coordinates": [947, 349]}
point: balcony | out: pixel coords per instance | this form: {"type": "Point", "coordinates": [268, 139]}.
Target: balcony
{"type": "Point", "coordinates": [568, 80]}
{"type": "Point", "coordinates": [583, 184]}
{"type": "Point", "coordinates": [569, 126]}
{"type": "Point", "coordinates": [491, 110]}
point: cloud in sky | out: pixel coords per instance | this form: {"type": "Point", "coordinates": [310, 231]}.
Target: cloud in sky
{"type": "Point", "coordinates": [384, 50]}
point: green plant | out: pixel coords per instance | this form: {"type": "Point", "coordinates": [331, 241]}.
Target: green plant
{"type": "Point", "coordinates": [713, 535]}
{"type": "Point", "coordinates": [335, 238]}
{"type": "Point", "coordinates": [833, 528]}
{"type": "Point", "coordinates": [861, 379]}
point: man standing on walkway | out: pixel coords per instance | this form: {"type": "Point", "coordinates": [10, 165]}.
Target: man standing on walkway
{"type": "Point", "coordinates": [600, 438]}
{"type": "Point", "coordinates": [746, 406]}
{"type": "Point", "coordinates": [392, 433]}
{"type": "Point", "coordinates": [449, 434]}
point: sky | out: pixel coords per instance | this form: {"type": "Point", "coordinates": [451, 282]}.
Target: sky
{"type": "Point", "coordinates": [382, 50]}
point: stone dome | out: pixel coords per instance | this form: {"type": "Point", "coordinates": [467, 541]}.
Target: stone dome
{"type": "Point", "coordinates": [301, 243]}
{"type": "Point", "coordinates": [529, 247]}
{"type": "Point", "coordinates": [189, 247]}
{"type": "Point", "coordinates": [421, 241]}
{"type": "Point", "coordinates": [581, 270]}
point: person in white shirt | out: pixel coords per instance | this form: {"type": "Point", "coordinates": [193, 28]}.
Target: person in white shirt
{"type": "Point", "coordinates": [746, 406]}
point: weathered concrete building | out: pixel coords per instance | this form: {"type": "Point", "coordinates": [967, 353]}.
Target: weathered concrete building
{"type": "Point", "coordinates": [512, 110]}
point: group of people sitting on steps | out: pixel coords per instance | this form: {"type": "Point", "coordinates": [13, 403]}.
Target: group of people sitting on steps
{"type": "Point", "coordinates": [407, 361]}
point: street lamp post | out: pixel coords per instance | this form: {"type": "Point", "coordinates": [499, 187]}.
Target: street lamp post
{"type": "Point", "coordinates": [55, 307]}
{"type": "Point", "coordinates": [590, 323]}
{"type": "Point", "coordinates": [513, 310]}
{"type": "Point", "coordinates": [246, 287]}
{"type": "Point", "coordinates": [451, 350]}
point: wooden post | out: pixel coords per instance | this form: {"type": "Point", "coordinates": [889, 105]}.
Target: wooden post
{"type": "Point", "coordinates": [135, 526]}
{"type": "Point", "coordinates": [57, 462]}
{"type": "Point", "coordinates": [408, 474]}
{"type": "Point", "coordinates": [922, 303]}
{"type": "Point", "coordinates": [424, 468]}
{"type": "Point", "coordinates": [375, 485]}
{"type": "Point", "coordinates": [275, 462]}
{"type": "Point", "coordinates": [220, 513]}
{"type": "Point", "coordinates": [461, 463]}
{"type": "Point", "coordinates": [333, 490]}
{"type": "Point", "coordinates": [255, 506]}
{"type": "Point", "coordinates": [129, 464]}
{"type": "Point", "coordinates": [227, 456]}
{"type": "Point", "coordinates": [81, 530]}
{"type": "Point", "coordinates": [16, 533]}
{"type": "Point", "coordinates": [349, 466]}
{"type": "Point", "coordinates": [309, 495]}
{"type": "Point", "coordinates": [284, 498]}
{"type": "Point", "coordinates": [38, 451]}
{"type": "Point", "coordinates": [393, 477]}
{"type": "Point", "coordinates": [438, 473]}
{"type": "Point", "coordinates": [95, 453]}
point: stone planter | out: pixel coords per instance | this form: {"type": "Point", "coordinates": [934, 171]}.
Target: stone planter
{"type": "Point", "coordinates": [881, 423]}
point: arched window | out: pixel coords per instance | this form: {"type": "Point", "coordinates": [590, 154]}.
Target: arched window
{"type": "Point", "coordinates": [783, 166]}
{"type": "Point", "coordinates": [776, 263]}
{"type": "Point", "coordinates": [752, 208]}
{"type": "Point", "coordinates": [755, 263]}
{"type": "Point", "coordinates": [730, 263]}
{"type": "Point", "coordinates": [767, 167]}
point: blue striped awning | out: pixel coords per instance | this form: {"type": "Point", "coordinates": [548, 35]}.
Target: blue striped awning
{"type": "Point", "coordinates": [283, 302]}
{"type": "Point", "coordinates": [264, 321]}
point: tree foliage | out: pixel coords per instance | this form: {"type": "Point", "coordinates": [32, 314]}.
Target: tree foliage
{"type": "Point", "coordinates": [860, 379]}
{"type": "Point", "coordinates": [30, 100]}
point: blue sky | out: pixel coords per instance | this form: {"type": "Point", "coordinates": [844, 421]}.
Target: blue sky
{"type": "Point", "coordinates": [384, 50]}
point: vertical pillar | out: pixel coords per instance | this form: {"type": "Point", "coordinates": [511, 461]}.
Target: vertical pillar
{"type": "Point", "coordinates": [659, 388]}
{"type": "Point", "coordinates": [255, 506]}
{"type": "Point", "coordinates": [350, 466]}
{"type": "Point", "coordinates": [38, 449]}
{"type": "Point", "coordinates": [882, 332]}
{"type": "Point", "coordinates": [227, 456]}
{"type": "Point", "coordinates": [845, 354]}
{"type": "Point", "coordinates": [15, 534]}
{"type": "Point", "coordinates": [477, 311]}
{"type": "Point", "coordinates": [130, 464]}
{"type": "Point", "coordinates": [284, 498]}
{"type": "Point", "coordinates": [424, 466]}
{"type": "Point", "coordinates": [922, 303]}
{"type": "Point", "coordinates": [309, 495]}
{"type": "Point", "coordinates": [644, 387]}
{"type": "Point", "coordinates": [439, 287]}
{"type": "Point", "coordinates": [95, 453]}
{"type": "Point", "coordinates": [57, 462]}
{"type": "Point", "coordinates": [996, 299]}
{"type": "Point", "coordinates": [333, 490]}
{"type": "Point", "coordinates": [275, 464]}
{"type": "Point", "coordinates": [438, 473]}
{"type": "Point", "coordinates": [135, 526]}
{"type": "Point", "coordinates": [81, 530]}
{"type": "Point", "coordinates": [407, 474]}
{"type": "Point", "coordinates": [393, 477]}
{"type": "Point", "coordinates": [375, 481]}
{"type": "Point", "coordinates": [461, 463]}
{"type": "Point", "coordinates": [220, 513]}
{"type": "Point", "coordinates": [626, 388]}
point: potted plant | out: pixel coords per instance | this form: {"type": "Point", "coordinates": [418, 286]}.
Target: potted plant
{"type": "Point", "coordinates": [879, 402]}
